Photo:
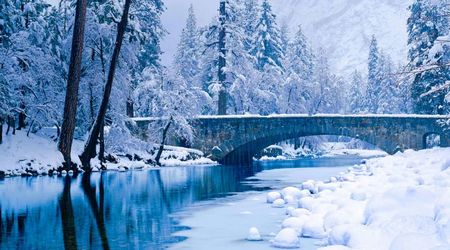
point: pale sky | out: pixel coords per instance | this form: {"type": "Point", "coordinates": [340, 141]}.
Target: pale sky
{"type": "Point", "coordinates": [175, 17]}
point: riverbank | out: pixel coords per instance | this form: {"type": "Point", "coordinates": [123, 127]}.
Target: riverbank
{"type": "Point", "coordinates": [32, 155]}
{"type": "Point", "coordinates": [396, 202]}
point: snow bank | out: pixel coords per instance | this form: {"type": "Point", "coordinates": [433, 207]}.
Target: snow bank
{"type": "Point", "coordinates": [37, 154]}
{"type": "Point", "coordinates": [399, 202]}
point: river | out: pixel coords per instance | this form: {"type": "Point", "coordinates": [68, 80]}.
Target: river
{"type": "Point", "coordinates": [198, 207]}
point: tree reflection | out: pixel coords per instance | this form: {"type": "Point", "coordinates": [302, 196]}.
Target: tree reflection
{"type": "Point", "coordinates": [67, 216]}
{"type": "Point", "coordinates": [96, 207]}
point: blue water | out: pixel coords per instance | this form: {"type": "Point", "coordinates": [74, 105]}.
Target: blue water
{"type": "Point", "coordinates": [117, 210]}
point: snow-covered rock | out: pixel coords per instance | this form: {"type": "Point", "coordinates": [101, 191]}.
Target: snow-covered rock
{"type": "Point", "coordinates": [272, 196]}
{"type": "Point", "coordinates": [286, 238]}
{"type": "Point", "coordinates": [278, 203]}
{"type": "Point", "coordinates": [291, 191]}
{"type": "Point", "coordinates": [253, 234]}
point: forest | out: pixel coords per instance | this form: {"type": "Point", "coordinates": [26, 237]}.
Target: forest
{"type": "Point", "coordinates": [85, 67]}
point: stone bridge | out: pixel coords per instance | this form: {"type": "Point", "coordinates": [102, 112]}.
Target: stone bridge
{"type": "Point", "coordinates": [236, 139]}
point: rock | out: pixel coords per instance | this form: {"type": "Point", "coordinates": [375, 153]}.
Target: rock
{"type": "Point", "coordinates": [289, 210]}
{"type": "Point", "coordinates": [289, 199]}
{"type": "Point", "coordinates": [286, 238]}
{"type": "Point", "coordinates": [272, 151]}
{"type": "Point", "coordinates": [130, 157]}
{"type": "Point", "coordinates": [272, 196]}
{"type": "Point", "coordinates": [291, 191]}
{"type": "Point", "coordinates": [253, 234]}
{"type": "Point", "coordinates": [278, 203]}
{"type": "Point", "coordinates": [298, 212]}
{"type": "Point", "coordinates": [137, 157]}
{"type": "Point", "coordinates": [111, 158]}
{"type": "Point", "coordinates": [295, 223]}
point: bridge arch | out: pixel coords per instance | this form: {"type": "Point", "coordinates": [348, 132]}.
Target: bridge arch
{"type": "Point", "coordinates": [243, 153]}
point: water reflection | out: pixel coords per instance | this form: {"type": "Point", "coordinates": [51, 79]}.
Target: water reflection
{"type": "Point", "coordinates": [107, 210]}
{"type": "Point", "coordinates": [113, 210]}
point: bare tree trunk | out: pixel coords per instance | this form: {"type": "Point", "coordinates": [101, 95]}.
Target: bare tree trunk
{"type": "Point", "coordinates": [22, 117]}
{"type": "Point", "coordinates": [101, 139]}
{"type": "Point", "coordinates": [89, 149]}
{"type": "Point", "coordinates": [161, 147]}
{"type": "Point", "coordinates": [130, 107]}
{"type": "Point", "coordinates": [1, 130]}
{"type": "Point", "coordinates": [222, 103]}
{"type": "Point", "coordinates": [73, 83]}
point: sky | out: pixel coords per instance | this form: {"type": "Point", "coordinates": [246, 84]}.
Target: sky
{"type": "Point", "coordinates": [174, 20]}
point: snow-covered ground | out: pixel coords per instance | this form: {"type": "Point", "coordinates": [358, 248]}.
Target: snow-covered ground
{"type": "Point", "coordinates": [38, 154]}
{"type": "Point", "coordinates": [399, 202]}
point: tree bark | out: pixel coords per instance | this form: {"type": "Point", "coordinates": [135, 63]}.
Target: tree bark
{"type": "Point", "coordinates": [101, 140]}
{"type": "Point", "coordinates": [130, 107]}
{"type": "Point", "coordinates": [1, 130]}
{"type": "Point", "coordinates": [89, 149]}
{"type": "Point", "coordinates": [22, 117]}
{"type": "Point", "coordinates": [73, 83]}
{"type": "Point", "coordinates": [222, 103]}
{"type": "Point", "coordinates": [161, 147]}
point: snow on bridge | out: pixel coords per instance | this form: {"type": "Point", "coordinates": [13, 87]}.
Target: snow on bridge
{"type": "Point", "coordinates": [235, 139]}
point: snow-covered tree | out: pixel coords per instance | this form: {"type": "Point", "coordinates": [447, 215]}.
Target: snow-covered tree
{"type": "Point", "coordinates": [249, 22]}
{"type": "Point", "coordinates": [427, 22]}
{"type": "Point", "coordinates": [388, 102]}
{"type": "Point", "coordinates": [299, 74]}
{"type": "Point", "coordinates": [187, 58]}
{"type": "Point", "coordinates": [267, 47]}
{"type": "Point", "coordinates": [373, 78]}
{"type": "Point", "coordinates": [325, 88]}
{"type": "Point", "coordinates": [356, 93]}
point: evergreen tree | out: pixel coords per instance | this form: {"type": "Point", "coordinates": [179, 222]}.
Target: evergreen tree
{"type": "Point", "coordinates": [356, 93]}
{"type": "Point", "coordinates": [373, 78]}
{"type": "Point", "coordinates": [426, 23]}
{"type": "Point", "coordinates": [249, 22]}
{"type": "Point", "coordinates": [388, 102]}
{"type": "Point", "coordinates": [267, 47]}
{"type": "Point", "coordinates": [299, 70]}
{"type": "Point", "coordinates": [300, 56]}
{"type": "Point", "coordinates": [187, 58]}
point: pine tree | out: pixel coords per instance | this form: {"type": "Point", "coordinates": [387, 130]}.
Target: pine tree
{"type": "Point", "coordinates": [299, 70]}
{"type": "Point", "coordinates": [388, 102]}
{"type": "Point", "coordinates": [426, 23]}
{"type": "Point", "coordinates": [300, 56]}
{"type": "Point", "coordinates": [267, 47]}
{"type": "Point", "coordinates": [249, 22]}
{"type": "Point", "coordinates": [373, 78]}
{"type": "Point", "coordinates": [187, 58]}
{"type": "Point", "coordinates": [356, 93]}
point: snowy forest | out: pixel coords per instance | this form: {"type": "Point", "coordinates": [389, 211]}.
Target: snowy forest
{"type": "Point", "coordinates": [243, 62]}
{"type": "Point", "coordinates": [245, 130]}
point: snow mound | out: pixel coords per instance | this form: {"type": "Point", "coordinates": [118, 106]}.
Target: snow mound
{"type": "Point", "coordinates": [272, 196]}
{"type": "Point", "coordinates": [253, 234]}
{"type": "Point", "coordinates": [286, 238]}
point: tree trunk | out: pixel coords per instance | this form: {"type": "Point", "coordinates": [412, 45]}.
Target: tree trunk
{"type": "Point", "coordinates": [8, 124]}
{"type": "Point", "coordinates": [1, 130]}
{"type": "Point", "coordinates": [101, 139]}
{"type": "Point", "coordinates": [161, 147]}
{"type": "Point", "coordinates": [22, 117]}
{"type": "Point", "coordinates": [89, 149]}
{"type": "Point", "coordinates": [73, 83]}
{"type": "Point", "coordinates": [222, 103]}
{"type": "Point", "coordinates": [130, 108]}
